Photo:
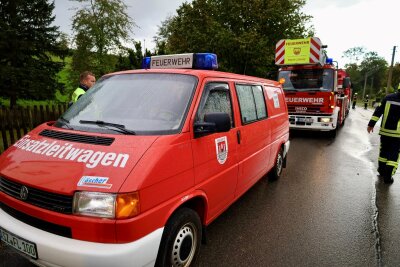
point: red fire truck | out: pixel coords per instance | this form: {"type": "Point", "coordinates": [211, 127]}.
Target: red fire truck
{"type": "Point", "coordinates": [317, 93]}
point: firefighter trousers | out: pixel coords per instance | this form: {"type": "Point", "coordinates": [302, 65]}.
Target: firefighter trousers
{"type": "Point", "coordinates": [388, 160]}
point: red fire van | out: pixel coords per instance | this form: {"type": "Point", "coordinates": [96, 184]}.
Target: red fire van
{"type": "Point", "coordinates": [133, 171]}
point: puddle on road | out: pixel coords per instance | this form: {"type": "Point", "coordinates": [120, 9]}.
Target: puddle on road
{"type": "Point", "coordinates": [363, 146]}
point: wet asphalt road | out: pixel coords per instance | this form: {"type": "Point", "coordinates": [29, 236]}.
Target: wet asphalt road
{"type": "Point", "coordinates": [328, 209]}
{"type": "Point", "coordinates": [320, 213]}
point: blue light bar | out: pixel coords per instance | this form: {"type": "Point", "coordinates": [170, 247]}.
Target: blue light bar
{"type": "Point", "coordinates": [329, 60]}
{"type": "Point", "coordinates": [205, 61]}
{"type": "Point", "coordinates": [146, 63]}
{"type": "Point", "coordinates": [202, 61]}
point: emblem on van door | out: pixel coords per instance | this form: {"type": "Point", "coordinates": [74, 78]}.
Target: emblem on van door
{"type": "Point", "coordinates": [23, 193]}
{"type": "Point", "coordinates": [221, 144]}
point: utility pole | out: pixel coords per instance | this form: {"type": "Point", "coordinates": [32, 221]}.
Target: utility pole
{"type": "Point", "coordinates": [365, 85]}
{"type": "Point", "coordinates": [372, 85]}
{"type": "Point", "coordinates": [389, 83]}
{"type": "Point", "coordinates": [144, 47]}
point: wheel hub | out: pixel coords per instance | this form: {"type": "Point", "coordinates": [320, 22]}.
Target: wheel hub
{"type": "Point", "coordinates": [184, 247]}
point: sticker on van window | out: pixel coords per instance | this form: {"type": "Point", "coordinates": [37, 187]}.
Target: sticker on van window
{"type": "Point", "coordinates": [276, 100]}
{"type": "Point", "coordinates": [94, 181]}
{"type": "Point", "coordinates": [221, 145]}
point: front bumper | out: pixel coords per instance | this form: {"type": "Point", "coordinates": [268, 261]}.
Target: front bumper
{"type": "Point", "coordinates": [54, 250]}
{"type": "Point", "coordinates": [313, 122]}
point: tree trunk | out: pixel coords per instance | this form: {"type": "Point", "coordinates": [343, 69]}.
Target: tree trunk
{"type": "Point", "coordinates": [13, 99]}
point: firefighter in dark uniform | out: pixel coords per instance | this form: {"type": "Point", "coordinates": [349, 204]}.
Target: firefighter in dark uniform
{"type": "Point", "coordinates": [388, 159]}
{"type": "Point", "coordinates": [366, 99]}
{"type": "Point", "coordinates": [354, 100]}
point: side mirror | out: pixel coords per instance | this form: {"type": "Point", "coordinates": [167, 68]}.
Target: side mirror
{"type": "Point", "coordinates": [213, 123]}
{"type": "Point", "coordinates": [346, 82]}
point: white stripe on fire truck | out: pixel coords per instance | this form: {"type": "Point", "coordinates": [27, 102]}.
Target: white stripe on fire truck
{"type": "Point", "coordinates": [280, 52]}
{"type": "Point", "coordinates": [315, 46]}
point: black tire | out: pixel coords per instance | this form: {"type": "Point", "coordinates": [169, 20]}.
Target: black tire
{"type": "Point", "coordinates": [181, 240]}
{"type": "Point", "coordinates": [333, 133]}
{"type": "Point", "coordinates": [276, 171]}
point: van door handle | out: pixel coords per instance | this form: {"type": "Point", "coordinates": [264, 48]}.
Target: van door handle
{"type": "Point", "coordinates": [238, 136]}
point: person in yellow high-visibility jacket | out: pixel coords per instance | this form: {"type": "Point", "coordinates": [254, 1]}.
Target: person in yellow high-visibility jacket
{"type": "Point", "coordinates": [86, 80]}
{"type": "Point", "coordinates": [388, 160]}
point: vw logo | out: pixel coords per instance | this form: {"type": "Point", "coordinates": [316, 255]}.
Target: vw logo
{"type": "Point", "coordinates": [24, 193]}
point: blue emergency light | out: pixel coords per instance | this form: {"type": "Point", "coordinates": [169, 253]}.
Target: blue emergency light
{"type": "Point", "coordinates": [146, 63]}
{"type": "Point", "coordinates": [205, 61]}
{"type": "Point", "coordinates": [329, 60]}
{"type": "Point", "coordinates": [202, 61]}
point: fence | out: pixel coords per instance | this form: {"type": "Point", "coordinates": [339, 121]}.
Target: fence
{"type": "Point", "coordinates": [15, 123]}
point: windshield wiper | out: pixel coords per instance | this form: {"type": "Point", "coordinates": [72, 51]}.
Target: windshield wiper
{"type": "Point", "coordinates": [120, 127]}
{"type": "Point", "coordinates": [65, 122]}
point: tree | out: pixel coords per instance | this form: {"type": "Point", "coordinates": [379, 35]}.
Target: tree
{"type": "Point", "coordinates": [64, 44]}
{"type": "Point", "coordinates": [130, 58]}
{"type": "Point", "coordinates": [354, 54]}
{"type": "Point", "coordinates": [100, 27]}
{"type": "Point", "coordinates": [368, 71]}
{"type": "Point", "coordinates": [374, 68]}
{"type": "Point", "coordinates": [396, 75]}
{"type": "Point", "coordinates": [27, 42]}
{"type": "Point", "coordinates": [242, 33]}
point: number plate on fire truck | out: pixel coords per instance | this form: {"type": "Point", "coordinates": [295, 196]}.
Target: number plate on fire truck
{"type": "Point", "coordinates": [306, 120]}
{"type": "Point", "coordinates": [18, 243]}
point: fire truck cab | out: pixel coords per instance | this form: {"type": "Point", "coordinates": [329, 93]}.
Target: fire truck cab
{"type": "Point", "coordinates": [140, 164]}
{"type": "Point", "coordinates": [317, 93]}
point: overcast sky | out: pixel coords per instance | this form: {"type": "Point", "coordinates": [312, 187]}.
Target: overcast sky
{"type": "Point", "coordinates": [340, 24]}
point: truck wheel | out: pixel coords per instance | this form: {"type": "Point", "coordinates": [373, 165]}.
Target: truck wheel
{"type": "Point", "coordinates": [276, 171]}
{"type": "Point", "coordinates": [181, 240]}
{"type": "Point", "coordinates": [333, 133]}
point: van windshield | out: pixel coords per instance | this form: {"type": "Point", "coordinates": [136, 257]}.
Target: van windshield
{"type": "Point", "coordinates": [307, 79]}
{"type": "Point", "coordinates": [145, 104]}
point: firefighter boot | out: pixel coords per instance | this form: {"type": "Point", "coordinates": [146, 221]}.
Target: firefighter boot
{"type": "Point", "coordinates": [388, 180]}
{"type": "Point", "coordinates": [381, 168]}
{"type": "Point", "coordinates": [387, 175]}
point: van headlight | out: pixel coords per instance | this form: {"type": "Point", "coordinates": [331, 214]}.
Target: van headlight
{"type": "Point", "coordinates": [106, 205]}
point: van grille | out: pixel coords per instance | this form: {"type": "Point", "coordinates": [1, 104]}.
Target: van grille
{"type": "Point", "coordinates": [39, 198]}
{"type": "Point", "coordinates": [80, 138]}
{"type": "Point", "coordinates": [38, 223]}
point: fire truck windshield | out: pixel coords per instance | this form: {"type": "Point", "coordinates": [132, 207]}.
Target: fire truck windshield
{"type": "Point", "coordinates": [307, 79]}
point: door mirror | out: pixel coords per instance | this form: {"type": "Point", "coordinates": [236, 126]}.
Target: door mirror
{"type": "Point", "coordinates": [346, 82]}
{"type": "Point", "coordinates": [213, 123]}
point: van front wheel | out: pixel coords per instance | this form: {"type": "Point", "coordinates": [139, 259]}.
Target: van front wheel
{"type": "Point", "coordinates": [277, 169]}
{"type": "Point", "coordinates": [181, 240]}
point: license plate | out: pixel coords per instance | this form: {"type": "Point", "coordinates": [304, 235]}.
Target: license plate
{"type": "Point", "coordinates": [19, 243]}
{"type": "Point", "coordinates": [306, 120]}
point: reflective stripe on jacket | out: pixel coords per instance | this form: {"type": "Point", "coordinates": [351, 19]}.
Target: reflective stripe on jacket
{"type": "Point", "coordinates": [389, 109]}
{"type": "Point", "coordinates": [76, 94]}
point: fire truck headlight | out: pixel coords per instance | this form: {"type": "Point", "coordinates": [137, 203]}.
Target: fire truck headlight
{"type": "Point", "coordinates": [325, 120]}
{"type": "Point", "coordinates": [94, 204]}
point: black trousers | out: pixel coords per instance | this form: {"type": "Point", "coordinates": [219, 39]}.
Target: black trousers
{"type": "Point", "coordinates": [388, 156]}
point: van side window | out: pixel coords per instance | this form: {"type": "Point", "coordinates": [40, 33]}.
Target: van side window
{"type": "Point", "coordinates": [216, 98]}
{"type": "Point", "coordinates": [251, 102]}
